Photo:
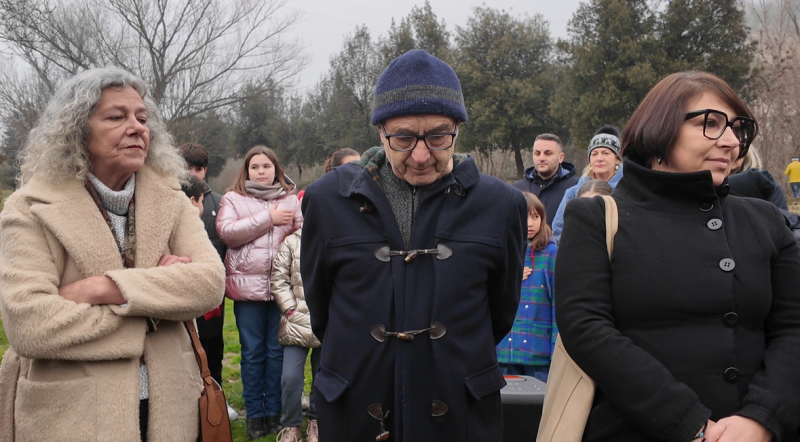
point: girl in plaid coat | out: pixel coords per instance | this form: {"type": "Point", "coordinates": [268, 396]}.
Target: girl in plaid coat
{"type": "Point", "coordinates": [528, 347]}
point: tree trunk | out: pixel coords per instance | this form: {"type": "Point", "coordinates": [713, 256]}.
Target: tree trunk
{"type": "Point", "coordinates": [520, 162]}
{"type": "Point", "coordinates": [299, 172]}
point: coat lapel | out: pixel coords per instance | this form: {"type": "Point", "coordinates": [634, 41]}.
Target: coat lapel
{"type": "Point", "coordinates": [157, 207]}
{"type": "Point", "coordinates": [67, 210]}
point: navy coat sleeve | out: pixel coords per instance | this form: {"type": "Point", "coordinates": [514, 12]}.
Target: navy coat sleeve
{"type": "Point", "coordinates": [505, 283]}
{"type": "Point", "coordinates": [630, 378]}
{"type": "Point", "coordinates": [772, 398]}
{"type": "Point", "coordinates": [313, 270]}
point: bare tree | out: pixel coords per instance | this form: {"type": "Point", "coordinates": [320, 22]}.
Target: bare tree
{"type": "Point", "coordinates": [775, 27]}
{"type": "Point", "coordinates": [196, 55]}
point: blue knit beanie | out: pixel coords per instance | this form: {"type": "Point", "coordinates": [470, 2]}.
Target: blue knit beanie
{"type": "Point", "coordinates": [418, 83]}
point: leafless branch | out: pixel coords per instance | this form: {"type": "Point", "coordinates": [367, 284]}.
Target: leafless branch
{"type": "Point", "coordinates": [196, 55]}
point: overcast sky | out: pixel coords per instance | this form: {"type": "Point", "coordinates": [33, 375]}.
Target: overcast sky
{"type": "Point", "coordinates": [326, 22]}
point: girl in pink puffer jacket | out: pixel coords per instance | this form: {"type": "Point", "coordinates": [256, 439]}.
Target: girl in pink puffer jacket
{"type": "Point", "coordinates": [253, 220]}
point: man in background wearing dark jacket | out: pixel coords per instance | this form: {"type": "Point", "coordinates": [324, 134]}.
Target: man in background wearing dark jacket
{"type": "Point", "coordinates": [209, 326]}
{"type": "Point", "coordinates": [550, 176]}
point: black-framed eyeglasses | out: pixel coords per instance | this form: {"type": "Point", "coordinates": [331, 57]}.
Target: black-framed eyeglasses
{"type": "Point", "coordinates": [407, 142]}
{"type": "Point", "coordinates": [715, 122]}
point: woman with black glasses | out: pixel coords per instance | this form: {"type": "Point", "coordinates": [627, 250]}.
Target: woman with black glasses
{"type": "Point", "coordinates": [691, 331]}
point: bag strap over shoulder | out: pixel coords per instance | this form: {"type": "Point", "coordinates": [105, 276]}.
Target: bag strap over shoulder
{"type": "Point", "coordinates": [570, 391]}
{"type": "Point", "coordinates": [612, 222]}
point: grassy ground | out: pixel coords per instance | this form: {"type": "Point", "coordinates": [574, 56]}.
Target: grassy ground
{"type": "Point", "coordinates": [3, 340]}
{"type": "Point", "coordinates": [233, 379]}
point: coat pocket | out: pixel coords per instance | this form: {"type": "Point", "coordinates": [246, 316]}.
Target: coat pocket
{"type": "Point", "coordinates": [348, 240]}
{"type": "Point", "coordinates": [471, 237]}
{"type": "Point", "coordinates": [60, 410]}
{"type": "Point", "coordinates": [486, 381]}
{"type": "Point", "coordinates": [484, 416]}
{"type": "Point", "coordinates": [330, 384]}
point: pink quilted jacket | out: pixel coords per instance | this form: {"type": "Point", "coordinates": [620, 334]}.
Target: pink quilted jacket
{"type": "Point", "coordinates": [244, 224]}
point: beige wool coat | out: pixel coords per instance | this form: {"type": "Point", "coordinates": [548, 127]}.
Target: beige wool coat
{"type": "Point", "coordinates": [72, 373]}
{"type": "Point", "coordinates": [287, 288]}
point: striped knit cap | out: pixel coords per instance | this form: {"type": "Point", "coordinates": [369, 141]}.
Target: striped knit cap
{"type": "Point", "coordinates": [606, 140]}
{"type": "Point", "coordinates": [418, 83]}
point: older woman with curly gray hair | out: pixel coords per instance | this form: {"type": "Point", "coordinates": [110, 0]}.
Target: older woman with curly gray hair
{"type": "Point", "coordinates": [101, 259]}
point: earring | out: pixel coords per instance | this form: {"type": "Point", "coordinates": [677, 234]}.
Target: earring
{"type": "Point", "coordinates": [659, 159]}
{"type": "Point", "coordinates": [616, 167]}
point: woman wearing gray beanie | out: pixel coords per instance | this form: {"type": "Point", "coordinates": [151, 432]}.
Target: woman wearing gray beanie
{"type": "Point", "coordinates": [604, 164]}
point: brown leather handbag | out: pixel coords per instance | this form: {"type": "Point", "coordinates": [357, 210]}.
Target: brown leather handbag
{"type": "Point", "coordinates": [215, 426]}
{"type": "Point", "coordinates": [570, 392]}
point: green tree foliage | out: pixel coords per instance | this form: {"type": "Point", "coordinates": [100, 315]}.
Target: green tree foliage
{"type": "Point", "coordinates": [342, 102]}
{"type": "Point", "coordinates": [210, 131]}
{"type": "Point", "coordinates": [420, 29]}
{"type": "Point", "coordinates": [611, 60]}
{"type": "Point", "coordinates": [505, 64]}
{"type": "Point", "coordinates": [304, 144]}
{"type": "Point", "coordinates": [618, 49]}
{"type": "Point", "coordinates": [708, 35]}
{"type": "Point", "coordinates": [261, 121]}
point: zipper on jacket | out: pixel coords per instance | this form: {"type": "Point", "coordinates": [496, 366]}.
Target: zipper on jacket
{"type": "Point", "coordinates": [271, 256]}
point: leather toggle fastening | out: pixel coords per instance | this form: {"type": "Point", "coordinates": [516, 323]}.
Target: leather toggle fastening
{"type": "Point", "coordinates": [444, 252]}
{"type": "Point", "coordinates": [458, 189]}
{"type": "Point", "coordinates": [380, 334]}
{"type": "Point", "coordinates": [376, 411]}
{"type": "Point", "coordinates": [438, 408]}
{"type": "Point", "coordinates": [366, 208]}
{"type": "Point", "coordinates": [385, 253]}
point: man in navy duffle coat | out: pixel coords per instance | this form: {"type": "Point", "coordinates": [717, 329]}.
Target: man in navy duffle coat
{"type": "Point", "coordinates": [412, 264]}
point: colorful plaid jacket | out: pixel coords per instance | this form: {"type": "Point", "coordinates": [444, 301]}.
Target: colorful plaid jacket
{"type": "Point", "coordinates": [533, 336]}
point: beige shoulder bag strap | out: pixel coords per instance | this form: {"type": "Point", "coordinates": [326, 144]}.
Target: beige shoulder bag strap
{"type": "Point", "coordinates": [612, 222]}
{"type": "Point", "coordinates": [570, 392]}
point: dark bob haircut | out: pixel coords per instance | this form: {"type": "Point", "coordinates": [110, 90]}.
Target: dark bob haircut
{"type": "Point", "coordinates": [654, 126]}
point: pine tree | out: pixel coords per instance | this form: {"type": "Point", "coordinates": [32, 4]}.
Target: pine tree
{"type": "Point", "coordinates": [708, 35]}
{"type": "Point", "coordinates": [505, 65]}
{"type": "Point", "coordinates": [610, 62]}
{"type": "Point", "coordinates": [420, 29]}
{"type": "Point", "coordinates": [343, 98]}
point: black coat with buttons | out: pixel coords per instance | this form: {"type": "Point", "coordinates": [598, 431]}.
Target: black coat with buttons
{"type": "Point", "coordinates": [696, 316]}
{"type": "Point", "coordinates": [443, 389]}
